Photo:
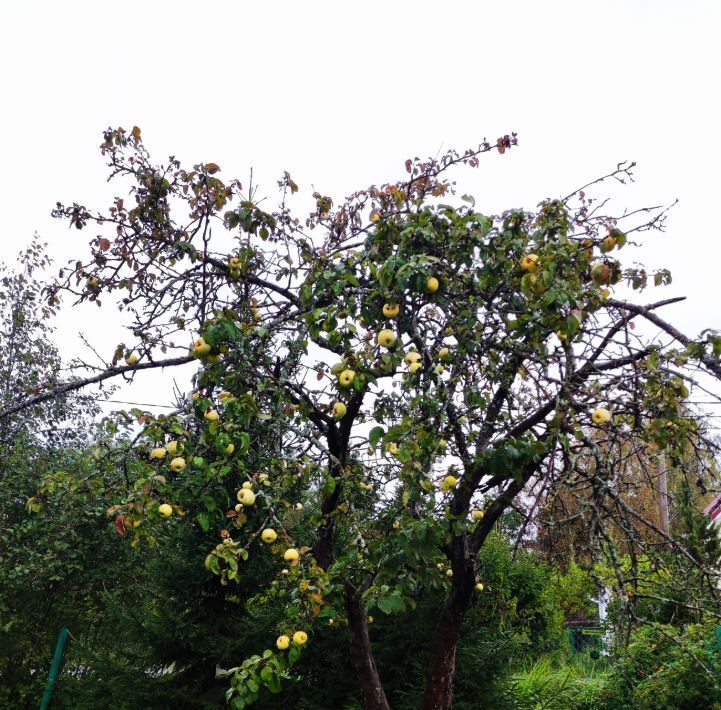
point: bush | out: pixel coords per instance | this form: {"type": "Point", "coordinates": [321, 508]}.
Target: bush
{"type": "Point", "coordinates": [664, 667]}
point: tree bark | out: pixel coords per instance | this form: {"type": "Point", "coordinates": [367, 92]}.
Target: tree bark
{"type": "Point", "coordinates": [442, 666]}
{"type": "Point", "coordinates": [371, 689]}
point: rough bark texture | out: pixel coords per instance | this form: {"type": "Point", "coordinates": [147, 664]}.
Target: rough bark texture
{"type": "Point", "coordinates": [442, 666]}
{"type": "Point", "coordinates": [372, 693]}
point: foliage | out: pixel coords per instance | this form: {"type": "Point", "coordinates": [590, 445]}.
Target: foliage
{"type": "Point", "coordinates": [379, 383]}
{"type": "Point", "coordinates": [664, 666]}
{"type": "Point", "coordinates": [555, 682]}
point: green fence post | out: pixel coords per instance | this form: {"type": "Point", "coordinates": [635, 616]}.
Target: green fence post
{"type": "Point", "coordinates": [718, 638]}
{"type": "Point", "coordinates": [54, 668]}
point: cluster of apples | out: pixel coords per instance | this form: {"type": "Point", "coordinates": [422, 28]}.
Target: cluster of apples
{"type": "Point", "coordinates": [299, 639]}
{"type": "Point", "coordinates": [202, 349]}
{"type": "Point", "coordinates": [386, 338]}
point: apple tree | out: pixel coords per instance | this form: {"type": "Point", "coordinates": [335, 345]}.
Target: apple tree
{"type": "Point", "coordinates": [379, 380]}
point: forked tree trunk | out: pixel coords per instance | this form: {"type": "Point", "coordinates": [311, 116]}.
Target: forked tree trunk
{"type": "Point", "coordinates": [371, 689]}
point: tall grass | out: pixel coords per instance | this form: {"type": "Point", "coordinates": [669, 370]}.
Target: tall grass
{"type": "Point", "coordinates": [557, 682]}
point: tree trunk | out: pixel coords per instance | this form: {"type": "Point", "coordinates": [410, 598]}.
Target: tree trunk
{"type": "Point", "coordinates": [442, 665]}
{"type": "Point", "coordinates": [372, 693]}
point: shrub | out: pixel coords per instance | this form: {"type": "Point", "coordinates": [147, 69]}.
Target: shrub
{"type": "Point", "coordinates": [664, 667]}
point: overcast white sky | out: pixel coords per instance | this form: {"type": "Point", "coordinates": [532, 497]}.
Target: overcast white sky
{"type": "Point", "coordinates": [340, 94]}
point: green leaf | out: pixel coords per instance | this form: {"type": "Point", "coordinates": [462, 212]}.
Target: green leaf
{"type": "Point", "coordinates": [293, 654]}
{"type": "Point", "coordinates": [392, 604]}
{"type": "Point", "coordinates": [375, 435]}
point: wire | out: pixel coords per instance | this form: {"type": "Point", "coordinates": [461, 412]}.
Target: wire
{"type": "Point", "coordinates": [137, 404]}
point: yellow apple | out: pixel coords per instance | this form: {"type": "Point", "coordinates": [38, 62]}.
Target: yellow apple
{"type": "Point", "coordinates": [165, 510]}
{"type": "Point", "coordinates": [230, 448]}
{"type": "Point", "coordinates": [432, 284]}
{"type": "Point", "coordinates": [443, 353]}
{"type": "Point", "coordinates": [440, 369]}
{"type": "Point", "coordinates": [172, 447]}
{"type": "Point", "coordinates": [346, 377]}
{"type": "Point", "coordinates": [235, 263]}
{"type": "Point", "coordinates": [211, 415]}
{"type": "Point", "coordinates": [392, 448]}
{"type": "Point", "coordinates": [339, 410]}
{"type": "Point", "coordinates": [224, 395]}
{"type": "Point", "coordinates": [479, 587]}
{"type": "Point", "coordinates": [291, 555]}
{"type": "Point", "coordinates": [411, 357]}
{"type": "Point", "coordinates": [269, 535]}
{"type": "Point", "coordinates": [477, 515]}
{"type": "Point", "coordinates": [158, 453]}
{"type": "Point", "coordinates": [529, 262]}
{"type": "Point", "coordinates": [608, 244]}
{"type": "Point", "coordinates": [601, 416]}
{"type": "Point", "coordinates": [248, 485]}
{"type": "Point", "coordinates": [386, 338]}
{"type": "Point", "coordinates": [246, 497]}
{"type": "Point", "coordinates": [300, 637]}
{"type": "Point", "coordinates": [414, 367]}
{"type": "Point", "coordinates": [131, 359]}
{"type": "Point", "coordinates": [282, 642]}
{"type": "Point", "coordinates": [600, 273]}
{"type": "Point", "coordinates": [390, 310]}
{"type": "Point", "coordinates": [449, 573]}
{"type": "Point", "coordinates": [200, 347]}
{"type": "Point", "coordinates": [449, 482]}
{"type": "Point", "coordinates": [177, 464]}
